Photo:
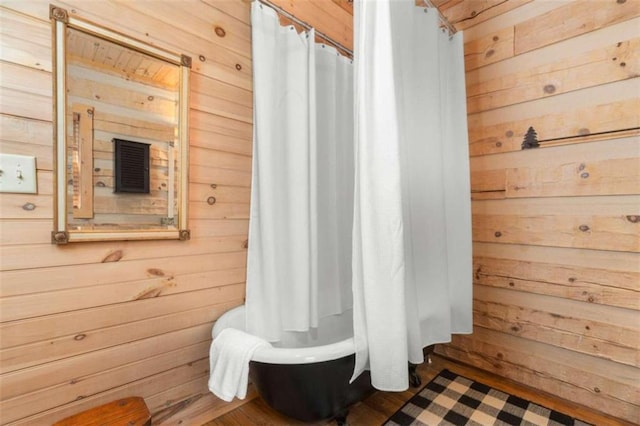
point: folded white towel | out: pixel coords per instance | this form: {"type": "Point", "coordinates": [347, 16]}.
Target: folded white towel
{"type": "Point", "coordinates": [229, 359]}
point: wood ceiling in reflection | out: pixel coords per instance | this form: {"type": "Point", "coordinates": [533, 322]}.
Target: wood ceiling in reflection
{"type": "Point", "coordinates": [109, 57]}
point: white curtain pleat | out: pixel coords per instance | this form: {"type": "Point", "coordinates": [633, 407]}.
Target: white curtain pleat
{"type": "Point", "coordinates": [298, 262]}
{"type": "Point", "coordinates": [412, 223]}
{"type": "Point", "coordinates": [378, 250]}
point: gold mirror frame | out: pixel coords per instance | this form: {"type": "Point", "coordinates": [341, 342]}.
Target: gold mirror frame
{"type": "Point", "coordinates": [62, 233]}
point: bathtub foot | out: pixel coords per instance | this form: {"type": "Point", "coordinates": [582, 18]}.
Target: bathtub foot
{"type": "Point", "coordinates": [341, 418]}
{"type": "Point", "coordinates": [414, 378]}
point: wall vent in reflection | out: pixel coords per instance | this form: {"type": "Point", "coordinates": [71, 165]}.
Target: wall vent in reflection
{"type": "Point", "coordinates": [131, 166]}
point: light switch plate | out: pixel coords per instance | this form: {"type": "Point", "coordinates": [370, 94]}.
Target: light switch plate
{"type": "Point", "coordinates": [18, 174]}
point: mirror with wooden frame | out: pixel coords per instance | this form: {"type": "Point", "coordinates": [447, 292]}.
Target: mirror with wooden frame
{"type": "Point", "coordinates": [121, 170]}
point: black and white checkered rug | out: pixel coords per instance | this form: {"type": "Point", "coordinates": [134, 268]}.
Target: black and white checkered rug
{"type": "Point", "coordinates": [450, 399]}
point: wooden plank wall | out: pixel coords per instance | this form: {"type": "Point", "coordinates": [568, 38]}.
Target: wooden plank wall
{"type": "Point", "coordinates": [556, 229]}
{"type": "Point", "coordinates": [87, 323]}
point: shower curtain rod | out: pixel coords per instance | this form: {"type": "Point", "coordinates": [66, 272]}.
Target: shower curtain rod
{"type": "Point", "coordinates": [444, 21]}
{"type": "Point", "coordinates": [308, 27]}
{"type": "Point", "coordinates": [452, 30]}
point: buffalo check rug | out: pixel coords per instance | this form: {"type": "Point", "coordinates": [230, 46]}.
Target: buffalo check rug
{"type": "Point", "coordinates": [450, 399]}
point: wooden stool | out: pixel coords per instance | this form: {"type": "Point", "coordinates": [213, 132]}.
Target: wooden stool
{"type": "Point", "coordinates": [123, 412]}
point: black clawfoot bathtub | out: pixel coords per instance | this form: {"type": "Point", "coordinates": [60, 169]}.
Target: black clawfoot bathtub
{"type": "Point", "coordinates": [306, 375]}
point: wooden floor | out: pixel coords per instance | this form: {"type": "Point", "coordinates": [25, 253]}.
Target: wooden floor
{"type": "Point", "coordinates": [378, 407]}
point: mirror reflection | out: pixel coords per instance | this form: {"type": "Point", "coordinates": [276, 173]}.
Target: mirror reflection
{"type": "Point", "coordinates": [120, 101]}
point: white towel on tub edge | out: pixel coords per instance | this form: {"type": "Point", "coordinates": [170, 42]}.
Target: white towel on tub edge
{"type": "Point", "coordinates": [229, 360]}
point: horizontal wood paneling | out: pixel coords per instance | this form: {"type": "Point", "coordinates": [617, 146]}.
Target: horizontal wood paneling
{"type": "Point", "coordinates": [600, 223]}
{"type": "Point", "coordinates": [147, 386]}
{"type": "Point", "coordinates": [489, 49]}
{"type": "Point", "coordinates": [59, 325]}
{"type": "Point", "coordinates": [571, 20]}
{"type": "Point", "coordinates": [60, 277]}
{"type": "Point", "coordinates": [575, 115]}
{"type": "Point", "coordinates": [608, 167]}
{"type": "Point", "coordinates": [85, 324]}
{"type": "Point", "coordinates": [91, 253]}
{"type": "Point", "coordinates": [555, 229]}
{"type": "Point", "coordinates": [47, 398]}
{"type": "Point", "coordinates": [221, 142]}
{"type": "Point", "coordinates": [616, 62]}
{"type": "Point", "coordinates": [47, 303]}
{"type": "Point", "coordinates": [587, 284]}
{"type": "Point", "coordinates": [464, 14]}
{"type": "Point", "coordinates": [68, 369]}
{"type": "Point", "coordinates": [538, 318]}
{"type": "Point", "coordinates": [222, 193]}
{"type": "Point", "coordinates": [86, 341]}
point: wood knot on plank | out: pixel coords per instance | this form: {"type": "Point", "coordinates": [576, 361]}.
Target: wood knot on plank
{"type": "Point", "coordinates": [149, 294]}
{"type": "Point", "coordinates": [113, 256]}
{"type": "Point", "coordinates": [220, 32]}
{"type": "Point", "coordinates": [549, 89]}
{"type": "Point", "coordinates": [633, 218]}
{"type": "Point", "coordinates": [584, 228]}
{"type": "Point", "coordinates": [29, 207]}
{"type": "Point", "coordinates": [155, 272]}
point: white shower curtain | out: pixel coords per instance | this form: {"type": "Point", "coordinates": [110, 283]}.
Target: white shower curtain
{"type": "Point", "coordinates": [299, 257]}
{"type": "Point", "coordinates": [412, 223]}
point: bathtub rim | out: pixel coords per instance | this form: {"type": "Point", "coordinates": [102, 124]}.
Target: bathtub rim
{"type": "Point", "coordinates": [234, 318]}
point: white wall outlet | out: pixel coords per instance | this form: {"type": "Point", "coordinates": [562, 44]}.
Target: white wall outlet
{"type": "Point", "coordinates": [18, 174]}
